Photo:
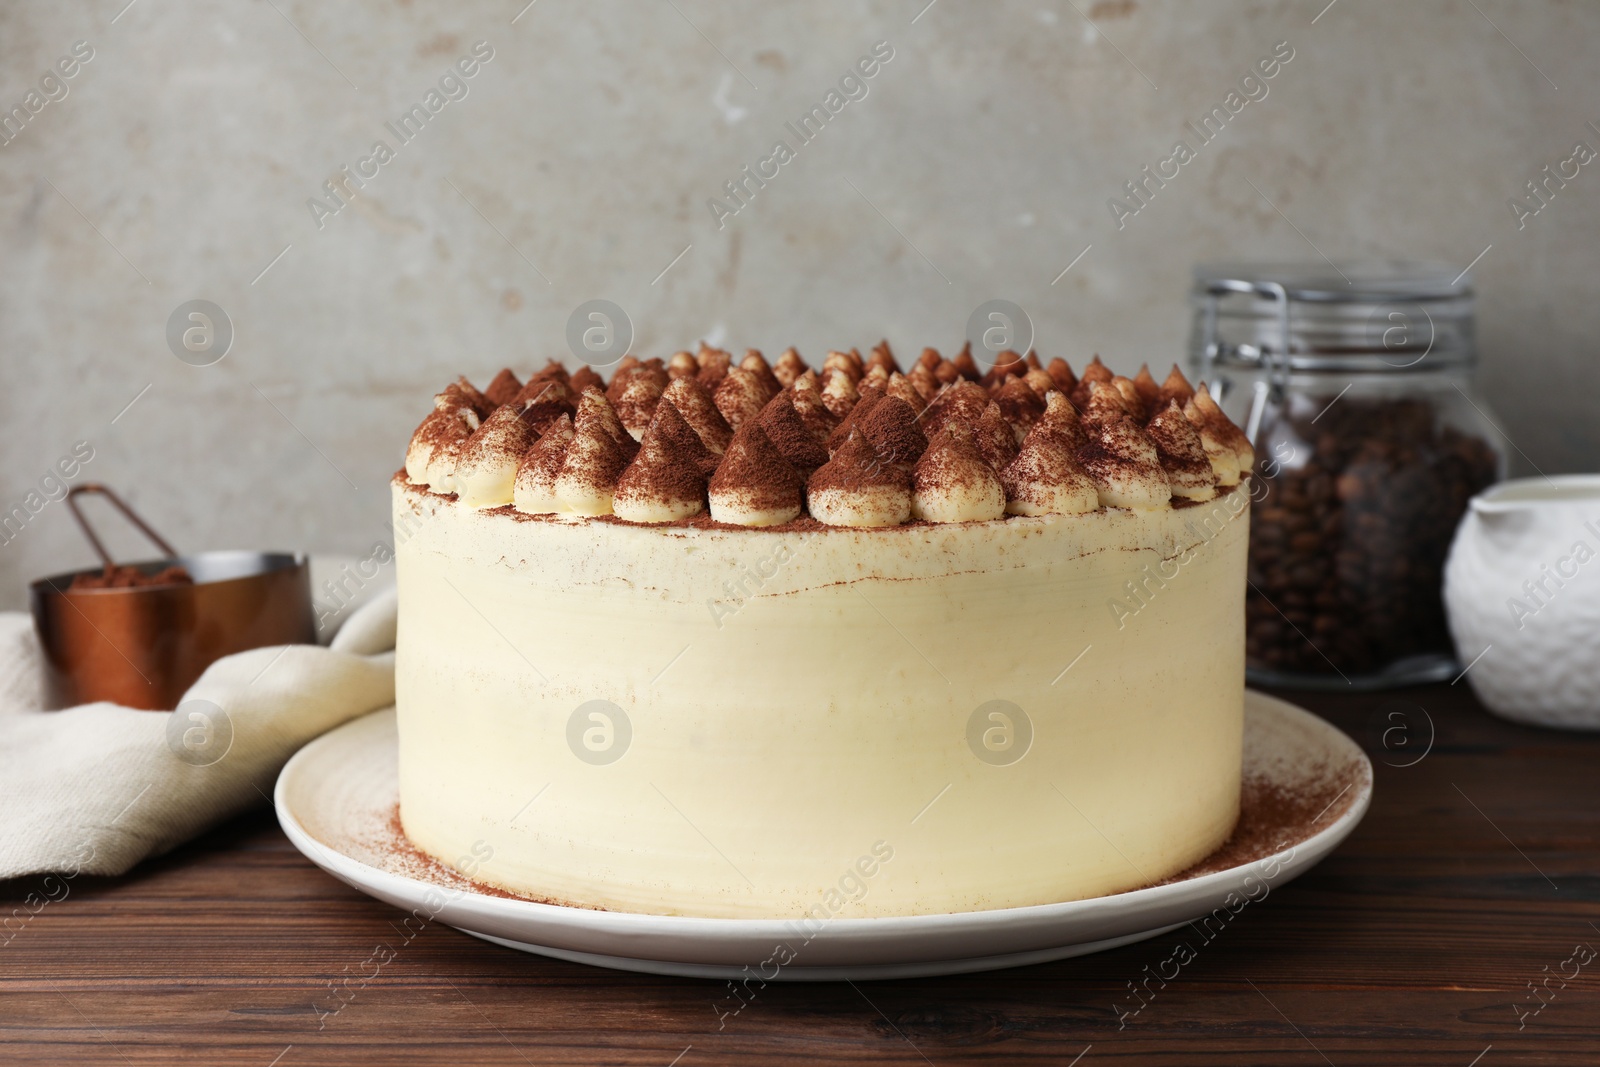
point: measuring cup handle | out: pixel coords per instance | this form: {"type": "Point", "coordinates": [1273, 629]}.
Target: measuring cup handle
{"type": "Point", "coordinates": [127, 513]}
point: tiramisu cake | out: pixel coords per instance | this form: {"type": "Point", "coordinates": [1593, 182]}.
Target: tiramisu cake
{"type": "Point", "coordinates": [724, 637]}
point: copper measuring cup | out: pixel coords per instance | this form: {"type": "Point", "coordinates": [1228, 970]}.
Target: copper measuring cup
{"type": "Point", "coordinates": [143, 646]}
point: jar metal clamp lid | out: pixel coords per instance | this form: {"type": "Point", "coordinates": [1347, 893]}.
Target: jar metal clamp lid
{"type": "Point", "coordinates": [1358, 318]}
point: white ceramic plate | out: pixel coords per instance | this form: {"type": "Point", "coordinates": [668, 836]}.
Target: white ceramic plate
{"type": "Point", "coordinates": [337, 802]}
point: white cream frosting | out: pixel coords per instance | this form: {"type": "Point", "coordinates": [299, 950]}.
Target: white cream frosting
{"type": "Point", "coordinates": [487, 470]}
{"type": "Point", "coordinates": [419, 452]}
{"type": "Point", "coordinates": [796, 696]}
{"type": "Point", "coordinates": [1124, 465]}
{"type": "Point", "coordinates": [1203, 410]}
{"type": "Point", "coordinates": [577, 489]}
{"type": "Point", "coordinates": [965, 503]}
{"type": "Point", "coordinates": [839, 394]}
{"type": "Point", "coordinates": [1045, 480]}
{"type": "Point", "coordinates": [699, 410]}
{"type": "Point", "coordinates": [647, 493]}
{"type": "Point", "coordinates": [432, 460]}
{"type": "Point", "coordinates": [1223, 456]}
{"type": "Point", "coordinates": [754, 485]}
{"type": "Point", "coordinates": [877, 505]}
{"type": "Point", "coordinates": [735, 511]}
{"type": "Point", "coordinates": [534, 491]}
{"type": "Point", "coordinates": [652, 509]}
{"type": "Point", "coordinates": [952, 483]}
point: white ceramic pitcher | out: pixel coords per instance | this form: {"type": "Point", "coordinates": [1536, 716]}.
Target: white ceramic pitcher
{"type": "Point", "coordinates": [1522, 592]}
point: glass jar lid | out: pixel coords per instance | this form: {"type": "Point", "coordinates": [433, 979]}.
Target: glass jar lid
{"type": "Point", "coordinates": [1355, 317]}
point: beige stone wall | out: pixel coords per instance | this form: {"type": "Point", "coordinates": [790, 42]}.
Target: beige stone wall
{"type": "Point", "coordinates": [578, 164]}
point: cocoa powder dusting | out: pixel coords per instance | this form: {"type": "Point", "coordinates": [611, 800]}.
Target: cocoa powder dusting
{"type": "Point", "coordinates": [783, 425]}
{"type": "Point", "coordinates": [996, 440]}
{"type": "Point", "coordinates": [841, 432]}
{"type": "Point", "coordinates": [504, 388]}
{"type": "Point", "coordinates": [1020, 405]}
{"type": "Point", "coordinates": [668, 424]}
{"type": "Point", "coordinates": [446, 428]}
{"type": "Point", "coordinates": [586, 378]}
{"type": "Point", "coordinates": [798, 432]}
{"type": "Point", "coordinates": [462, 394]}
{"type": "Point", "coordinates": [408, 861]}
{"type": "Point", "coordinates": [660, 473]}
{"type": "Point", "coordinates": [1178, 445]}
{"type": "Point", "coordinates": [890, 425]}
{"type": "Point", "coordinates": [1176, 387]}
{"type": "Point", "coordinates": [755, 473]}
{"type": "Point", "coordinates": [126, 576]}
{"type": "Point", "coordinates": [1061, 374]}
{"type": "Point", "coordinates": [952, 461]}
{"type": "Point", "coordinates": [1274, 817]}
{"type": "Point", "coordinates": [857, 465]}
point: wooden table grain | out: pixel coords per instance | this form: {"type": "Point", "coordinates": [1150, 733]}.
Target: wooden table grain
{"type": "Point", "coordinates": [1457, 926]}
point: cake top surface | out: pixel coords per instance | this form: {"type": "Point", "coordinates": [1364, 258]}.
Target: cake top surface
{"type": "Point", "coordinates": [705, 438]}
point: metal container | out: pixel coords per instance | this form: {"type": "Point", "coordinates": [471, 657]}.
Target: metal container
{"type": "Point", "coordinates": [144, 646]}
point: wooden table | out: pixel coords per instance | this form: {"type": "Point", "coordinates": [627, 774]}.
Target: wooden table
{"type": "Point", "coordinates": [1423, 940]}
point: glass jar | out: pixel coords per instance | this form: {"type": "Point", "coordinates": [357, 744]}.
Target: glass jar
{"type": "Point", "coordinates": [1353, 382]}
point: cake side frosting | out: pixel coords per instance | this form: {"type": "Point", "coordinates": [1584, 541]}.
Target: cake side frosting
{"type": "Point", "coordinates": [795, 696]}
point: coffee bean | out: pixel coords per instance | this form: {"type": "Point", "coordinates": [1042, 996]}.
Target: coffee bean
{"type": "Point", "coordinates": [1350, 545]}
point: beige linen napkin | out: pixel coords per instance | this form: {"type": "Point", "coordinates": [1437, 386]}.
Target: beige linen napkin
{"type": "Point", "coordinates": [96, 788]}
